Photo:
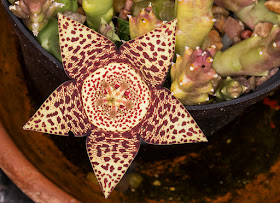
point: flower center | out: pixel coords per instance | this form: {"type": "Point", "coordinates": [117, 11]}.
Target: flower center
{"type": "Point", "coordinates": [115, 97]}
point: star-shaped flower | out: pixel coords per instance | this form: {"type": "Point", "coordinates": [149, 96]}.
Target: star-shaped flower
{"type": "Point", "coordinates": [115, 98]}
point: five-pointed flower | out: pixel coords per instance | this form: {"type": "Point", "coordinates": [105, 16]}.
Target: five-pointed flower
{"type": "Point", "coordinates": [115, 98]}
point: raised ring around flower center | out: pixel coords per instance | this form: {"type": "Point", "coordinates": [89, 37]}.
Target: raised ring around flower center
{"type": "Point", "coordinates": [115, 98]}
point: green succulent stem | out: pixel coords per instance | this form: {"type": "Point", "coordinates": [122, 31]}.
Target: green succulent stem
{"type": "Point", "coordinates": [36, 13]}
{"type": "Point", "coordinates": [143, 23]}
{"type": "Point", "coordinates": [48, 38]}
{"type": "Point", "coordinates": [97, 9]}
{"type": "Point", "coordinates": [256, 13]}
{"type": "Point", "coordinates": [234, 5]}
{"type": "Point", "coordinates": [230, 89]}
{"type": "Point", "coordinates": [253, 56]}
{"type": "Point", "coordinates": [192, 76]}
{"type": "Point", "coordinates": [69, 5]}
{"type": "Point", "coordinates": [195, 20]}
{"type": "Point", "coordinates": [108, 30]}
{"type": "Point", "coordinates": [161, 8]}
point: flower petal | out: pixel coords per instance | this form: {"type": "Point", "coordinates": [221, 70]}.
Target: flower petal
{"type": "Point", "coordinates": [110, 156]}
{"type": "Point", "coordinates": [83, 50]}
{"type": "Point", "coordinates": [152, 53]}
{"type": "Point", "coordinates": [169, 122]}
{"type": "Point", "coordinates": [61, 112]}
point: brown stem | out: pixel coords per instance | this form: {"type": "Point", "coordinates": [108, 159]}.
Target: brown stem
{"type": "Point", "coordinates": [126, 10]}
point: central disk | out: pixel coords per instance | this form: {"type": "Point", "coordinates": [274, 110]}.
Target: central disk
{"type": "Point", "coordinates": [115, 97]}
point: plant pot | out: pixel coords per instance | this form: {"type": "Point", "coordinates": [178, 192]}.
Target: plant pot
{"type": "Point", "coordinates": [237, 165]}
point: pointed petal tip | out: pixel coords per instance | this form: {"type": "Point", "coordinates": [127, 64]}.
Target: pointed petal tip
{"type": "Point", "coordinates": [26, 126]}
{"type": "Point", "coordinates": [204, 139]}
{"type": "Point", "coordinates": [59, 15]}
{"type": "Point", "coordinates": [106, 194]}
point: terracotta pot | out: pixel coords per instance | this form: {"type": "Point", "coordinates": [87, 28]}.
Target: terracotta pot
{"type": "Point", "coordinates": [26, 176]}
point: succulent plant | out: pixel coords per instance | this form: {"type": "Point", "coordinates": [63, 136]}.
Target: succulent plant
{"type": "Point", "coordinates": [230, 89]}
{"type": "Point", "coordinates": [108, 30]}
{"type": "Point", "coordinates": [253, 56]}
{"type": "Point", "coordinates": [69, 5]}
{"type": "Point", "coordinates": [97, 9]}
{"type": "Point", "coordinates": [119, 4]}
{"type": "Point", "coordinates": [192, 76]}
{"type": "Point", "coordinates": [36, 13]}
{"type": "Point", "coordinates": [234, 5]}
{"type": "Point", "coordinates": [48, 38]}
{"type": "Point", "coordinates": [144, 22]}
{"type": "Point", "coordinates": [115, 98]}
{"type": "Point", "coordinates": [161, 8]}
{"type": "Point", "coordinates": [123, 8]}
{"type": "Point", "coordinates": [257, 13]}
{"type": "Point", "coordinates": [251, 12]}
{"type": "Point", "coordinates": [195, 20]}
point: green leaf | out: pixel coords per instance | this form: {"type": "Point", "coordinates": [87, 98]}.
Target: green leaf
{"type": "Point", "coordinates": [123, 29]}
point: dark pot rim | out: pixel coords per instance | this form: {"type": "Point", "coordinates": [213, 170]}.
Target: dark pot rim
{"type": "Point", "coordinates": [258, 94]}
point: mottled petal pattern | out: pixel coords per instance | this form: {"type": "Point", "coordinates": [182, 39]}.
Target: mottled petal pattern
{"type": "Point", "coordinates": [110, 155]}
{"type": "Point", "coordinates": [152, 53]}
{"type": "Point", "coordinates": [82, 49]}
{"type": "Point", "coordinates": [169, 122]}
{"type": "Point", "coordinates": [62, 112]}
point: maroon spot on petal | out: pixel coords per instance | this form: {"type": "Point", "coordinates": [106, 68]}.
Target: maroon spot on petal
{"type": "Point", "coordinates": [74, 58]}
{"type": "Point", "coordinates": [95, 163]}
{"type": "Point", "coordinates": [182, 131]}
{"type": "Point", "coordinates": [74, 39]}
{"type": "Point", "coordinates": [139, 48]}
{"type": "Point", "coordinates": [160, 62]}
{"type": "Point", "coordinates": [67, 99]}
{"type": "Point", "coordinates": [143, 44]}
{"type": "Point", "coordinates": [105, 167]}
{"type": "Point", "coordinates": [154, 68]}
{"type": "Point", "coordinates": [83, 41]}
{"type": "Point", "coordinates": [77, 49]}
{"type": "Point", "coordinates": [164, 57]}
{"type": "Point", "coordinates": [106, 159]}
{"type": "Point", "coordinates": [135, 53]}
{"type": "Point", "coordinates": [50, 122]}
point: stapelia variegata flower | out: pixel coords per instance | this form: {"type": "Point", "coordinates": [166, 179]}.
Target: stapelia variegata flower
{"type": "Point", "coordinates": [115, 98]}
